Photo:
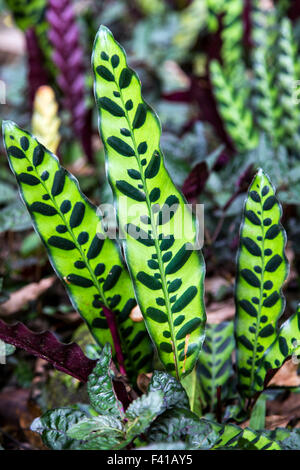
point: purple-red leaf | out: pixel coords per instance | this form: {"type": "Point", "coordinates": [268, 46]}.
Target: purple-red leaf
{"type": "Point", "coordinates": [67, 358]}
{"type": "Point", "coordinates": [195, 182]}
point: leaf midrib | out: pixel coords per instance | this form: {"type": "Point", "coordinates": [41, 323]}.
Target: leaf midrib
{"type": "Point", "coordinates": [260, 296]}
{"type": "Point", "coordinates": [158, 252]}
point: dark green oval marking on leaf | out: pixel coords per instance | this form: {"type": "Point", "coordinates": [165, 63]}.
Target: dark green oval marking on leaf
{"type": "Point", "coordinates": [58, 182]}
{"type": "Point", "coordinates": [154, 195]}
{"type": "Point", "coordinates": [112, 278]}
{"type": "Point", "coordinates": [99, 323]}
{"type": "Point", "coordinates": [28, 179]}
{"type": "Point", "coordinates": [157, 315]}
{"type": "Point", "coordinates": [167, 256]}
{"type": "Point", "coordinates": [251, 246]}
{"type": "Point", "coordinates": [269, 203]}
{"type": "Point", "coordinates": [138, 339]}
{"type": "Point", "coordinates": [271, 300]}
{"type": "Point", "coordinates": [152, 264]}
{"type": "Point", "coordinates": [77, 214]}
{"type": "Point", "coordinates": [250, 277]}
{"type": "Point", "coordinates": [179, 320]}
{"type": "Point", "coordinates": [179, 260]}
{"type": "Point", "coordinates": [266, 331]}
{"type": "Point", "coordinates": [142, 148]}
{"type": "Point", "coordinates": [283, 346]}
{"type": "Point", "coordinates": [115, 61]}
{"type": "Point", "coordinates": [166, 347]}
{"type": "Point", "coordinates": [104, 56]}
{"type": "Point", "coordinates": [42, 208]}
{"type": "Point", "coordinates": [38, 155]}
{"type": "Point", "coordinates": [15, 152]}
{"type": "Point", "coordinates": [83, 238]}
{"type": "Point", "coordinates": [273, 264]}
{"type": "Point", "coordinates": [105, 73]}
{"type": "Point", "coordinates": [95, 247]}
{"type": "Point", "coordinates": [168, 210]}
{"type": "Point", "coordinates": [99, 269]}
{"type": "Point", "coordinates": [167, 243]}
{"type": "Point", "coordinates": [272, 232]}
{"type": "Point", "coordinates": [174, 285]}
{"type": "Point", "coordinates": [188, 328]}
{"type": "Point", "coordinates": [153, 166]}
{"type": "Point", "coordinates": [255, 196]}
{"type": "Point", "coordinates": [184, 299]}
{"type": "Point", "coordinates": [61, 243]}
{"type": "Point", "coordinates": [143, 237]}
{"type": "Point", "coordinates": [253, 217]}
{"type": "Point", "coordinates": [245, 342]}
{"type": "Point", "coordinates": [134, 174]}
{"type": "Point", "coordinates": [45, 175]}
{"type": "Point", "coordinates": [148, 281]}
{"type": "Point", "coordinates": [24, 143]}
{"type": "Point", "coordinates": [129, 105]}
{"type": "Point", "coordinates": [79, 280]}
{"type": "Point", "coordinates": [61, 228]}
{"type": "Point", "coordinates": [125, 78]}
{"type": "Point", "coordinates": [65, 206]}
{"type": "Point", "coordinates": [120, 146]}
{"type": "Point", "coordinates": [224, 345]}
{"type": "Point", "coordinates": [140, 116]}
{"type": "Point", "coordinates": [125, 132]}
{"type": "Point", "coordinates": [79, 264]}
{"type": "Point", "coordinates": [130, 191]}
{"type": "Point", "coordinates": [111, 106]}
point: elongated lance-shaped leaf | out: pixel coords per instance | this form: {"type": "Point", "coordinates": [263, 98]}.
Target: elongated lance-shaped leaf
{"type": "Point", "coordinates": [287, 112]}
{"type": "Point", "coordinates": [26, 14]}
{"type": "Point", "coordinates": [167, 273]}
{"type": "Point", "coordinates": [287, 344]}
{"type": "Point", "coordinates": [232, 35]}
{"type": "Point", "coordinates": [89, 266]}
{"type": "Point", "coordinates": [236, 115]}
{"type": "Point", "coordinates": [263, 99]}
{"type": "Point", "coordinates": [215, 363]}
{"type": "Point", "coordinates": [262, 268]}
{"type": "Point", "coordinates": [191, 20]}
{"type": "Point", "coordinates": [214, 9]}
{"type": "Point", "coordinates": [231, 436]}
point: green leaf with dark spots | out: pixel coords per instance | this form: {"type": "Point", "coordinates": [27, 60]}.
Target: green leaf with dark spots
{"type": "Point", "coordinates": [154, 255]}
{"type": "Point", "coordinates": [158, 258]}
{"type": "Point", "coordinates": [78, 247]}
{"type": "Point", "coordinates": [262, 270]}
{"type": "Point", "coordinates": [215, 359]}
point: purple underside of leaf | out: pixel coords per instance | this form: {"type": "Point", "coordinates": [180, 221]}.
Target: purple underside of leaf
{"type": "Point", "coordinates": [68, 57]}
{"type": "Point", "coordinates": [111, 321]}
{"type": "Point", "coordinates": [67, 358]}
{"type": "Point", "coordinates": [37, 75]}
{"type": "Point", "coordinates": [195, 182]}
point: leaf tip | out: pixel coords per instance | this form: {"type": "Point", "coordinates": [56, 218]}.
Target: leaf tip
{"type": "Point", "coordinates": [7, 126]}
{"type": "Point", "coordinates": [103, 34]}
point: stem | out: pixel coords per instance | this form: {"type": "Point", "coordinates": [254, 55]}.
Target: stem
{"type": "Point", "coordinates": [112, 324]}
